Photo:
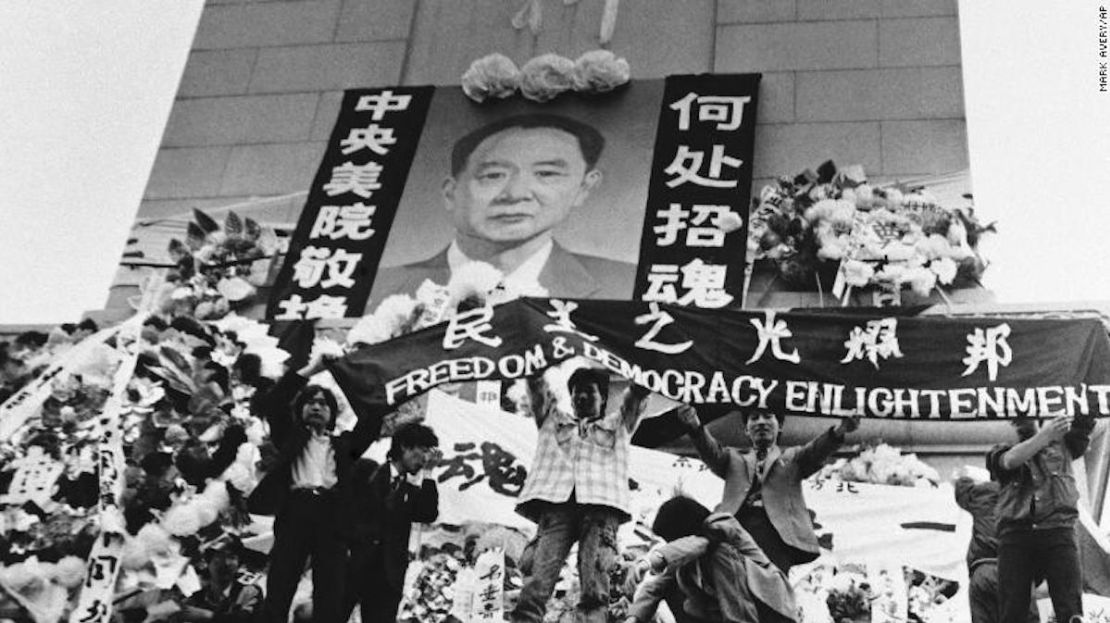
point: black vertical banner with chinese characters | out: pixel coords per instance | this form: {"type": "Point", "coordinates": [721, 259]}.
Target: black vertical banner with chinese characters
{"type": "Point", "coordinates": [338, 242]}
{"type": "Point", "coordinates": [693, 248]}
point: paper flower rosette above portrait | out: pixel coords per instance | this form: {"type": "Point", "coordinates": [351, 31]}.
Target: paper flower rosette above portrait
{"type": "Point", "coordinates": [893, 237]}
{"type": "Point", "coordinates": [544, 77]}
{"type": "Point", "coordinates": [216, 269]}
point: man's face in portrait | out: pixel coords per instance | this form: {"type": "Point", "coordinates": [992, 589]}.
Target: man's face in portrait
{"type": "Point", "coordinates": [518, 184]}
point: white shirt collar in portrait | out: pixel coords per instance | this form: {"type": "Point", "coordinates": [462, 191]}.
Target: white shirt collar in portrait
{"type": "Point", "coordinates": [525, 278]}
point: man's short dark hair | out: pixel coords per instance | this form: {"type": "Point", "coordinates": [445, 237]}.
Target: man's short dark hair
{"type": "Point", "coordinates": [747, 412]}
{"type": "Point", "coordinates": [589, 376]}
{"type": "Point", "coordinates": [310, 391]}
{"type": "Point", "coordinates": [678, 517]}
{"type": "Point", "coordinates": [590, 141]}
{"type": "Point", "coordinates": [413, 435]}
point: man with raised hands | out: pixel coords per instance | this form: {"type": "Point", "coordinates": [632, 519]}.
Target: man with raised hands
{"type": "Point", "coordinates": [1037, 510]}
{"type": "Point", "coordinates": [763, 484]}
{"type": "Point", "coordinates": [577, 490]}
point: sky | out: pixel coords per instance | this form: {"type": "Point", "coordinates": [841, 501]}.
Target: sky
{"type": "Point", "coordinates": [86, 89]}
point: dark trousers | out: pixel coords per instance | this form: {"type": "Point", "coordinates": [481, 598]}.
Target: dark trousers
{"type": "Point", "coordinates": [306, 529]}
{"type": "Point", "coordinates": [758, 524]}
{"type": "Point", "coordinates": [594, 528]}
{"type": "Point", "coordinates": [1024, 554]}
{"type": "Point", "coordinates": [982, 594]}
{"type": "Point", "coordinates": [367, 586]}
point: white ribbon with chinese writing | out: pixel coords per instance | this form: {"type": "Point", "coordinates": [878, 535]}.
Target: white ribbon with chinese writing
{"type": "Point", "coordinates": [95, 602]}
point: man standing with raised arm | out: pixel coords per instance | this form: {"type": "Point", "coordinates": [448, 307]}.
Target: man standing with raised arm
{"type": "Point", "coordinates": [577, 490]}
{"type": "Point", "coordinates": [1037, 509]}
{"type": "Point", "coordinates": [763, 485]}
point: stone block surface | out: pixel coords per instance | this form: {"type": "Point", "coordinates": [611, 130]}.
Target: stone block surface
{"type": "Point", "coordinates": [877, 94]}
{"type": "Point", "coordinates": [327, 67]}
{"type": "Point", "coordinates": [271, 169]}
{"type": "Point", "coordinates": [919, 42]}
{"type": "Point", "coordinates": [266, 24]}
{"type": "Point", "coordinates": [240, 120]}
{"type": "Point", "coordinates": [847, 44]}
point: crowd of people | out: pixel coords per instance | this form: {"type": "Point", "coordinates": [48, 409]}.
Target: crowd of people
{"type": "Point", "coordinates": [348, 519]}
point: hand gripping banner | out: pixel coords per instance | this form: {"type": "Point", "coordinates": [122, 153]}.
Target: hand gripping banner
{"type": "Point", "coordinates": [878, 366]}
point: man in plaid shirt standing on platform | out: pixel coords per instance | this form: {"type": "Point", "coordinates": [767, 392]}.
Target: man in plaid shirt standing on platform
{"type": "Point", "coordinates": [577, 490]}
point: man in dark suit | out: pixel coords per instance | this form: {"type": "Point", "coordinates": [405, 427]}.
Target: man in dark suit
{"type": "Point", "coordinates": [763, 485]}
{"type": "Point", "coordinates": [398, 493]}
{"type": "Point", "coordinates": [512, 182]}
{"type": "Point", "coordinates": [309, 491]}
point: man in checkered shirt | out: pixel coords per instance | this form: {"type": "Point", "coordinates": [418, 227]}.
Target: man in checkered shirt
{"type": "Point", "coordinates": [577, 490]}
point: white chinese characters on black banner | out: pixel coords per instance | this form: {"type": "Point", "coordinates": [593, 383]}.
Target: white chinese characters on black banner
{"type": "Point", "coordinates": [836, 365]}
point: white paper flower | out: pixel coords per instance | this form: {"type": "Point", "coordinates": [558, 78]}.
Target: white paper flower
{"type": "Point", "coordinates": [729, 222]}
{"type": "Point", "coordinates": [70, 572]}
{"type": "Point", "coordinates": [857, 273]}
{"type": "Point", "coordinates": [206, 511]}
{"type": "Point", "coordinates": [599, 71]}
{"type": "Point", "coordinates": [216, 494]}
{"type": "Point", "coordinates": [19, 576]}
{"type": "Point", "coordinates": [396, 311]}
{"type": "Point", "coordinates": [370, 329]}
{"type": "Point", "coordinates": [891, 273]}
{"type": "Point", "coordinates": [325, 346]}
{"type": "Point", "coordinates": [182, 520]}
{"type": "Point", "coordinates": [933, 246]}
{"type": "Point", "coordinates": [494, 75]}
{"type": "Point", "coordinates": [921, 280]}
{"type": "Point", "coordinates": [899, 252]}
{"type": "Point", "coordinates": [235, 289]}
{"type": "Point", "coordinates": [945, 269]}
{"type": "Point", "coordinates": [474, 279]}
{"type": "Point", "coordinates": [546, 76]}
{"type": "Point", "coordinates": [256, 432]}
{"type": "Point", "coordinates": [134, 554]}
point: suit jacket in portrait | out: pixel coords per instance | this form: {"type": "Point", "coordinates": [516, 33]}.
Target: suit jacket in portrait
{"type": "Point", "coordinates": [783, 473]}
{"type": "Point", "coordinates": [290, 437]}
{"type": "Point", "coordinates": [565, 275]}
{"type": "Point", "coordinates": [384, 513]}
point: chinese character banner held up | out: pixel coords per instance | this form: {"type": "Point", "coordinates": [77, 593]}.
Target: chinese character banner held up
{"type": "Point", "coordinates": [836, 365]}
{"type": "Point", "coordinates": [641, 194]}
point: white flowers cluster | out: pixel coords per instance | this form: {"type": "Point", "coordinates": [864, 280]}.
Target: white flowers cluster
{"type": "Point", "coordinates": [544, 77]}
{"type": "Point", "coordinates": [188, 517]}
{"type": "Point", "coordinates": [887, 236]}
{"type": "Point", "coordinates": [884, 465]}
{"type": "Point", "coordinates": [474, 284]}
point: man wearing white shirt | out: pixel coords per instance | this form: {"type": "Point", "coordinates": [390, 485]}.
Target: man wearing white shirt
{"type": "Point", "coordinates": [309, 491]}
{"type": "Point", "coordinates": [512, 182]}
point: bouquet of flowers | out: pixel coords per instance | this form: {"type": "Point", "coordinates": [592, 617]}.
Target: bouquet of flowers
{"type": "Point", "coordinates": [928, 597]}
{"type": "Point", "coordinates": [883, 465]}
{"type": "Point", "coordinates": [22, 358]}
{"type": "Point", "coordinates": [474, 285]}
{"type": "Point", "coordinates": [884, 236]}
{"type": "Point", "coordinates": [833, 594]}
{"type": "Point", "coordinates": [216, 267]}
